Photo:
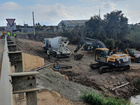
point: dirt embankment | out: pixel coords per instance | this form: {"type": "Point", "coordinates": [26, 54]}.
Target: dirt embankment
{"type": "Point", "coordinates": [55, 89]}
{"type": "Point", "coordinates": [81, 72]}
{"type": "Point", "coordinates": [50, 98]}
{"type": "Point", "coordinates": [54, 81]}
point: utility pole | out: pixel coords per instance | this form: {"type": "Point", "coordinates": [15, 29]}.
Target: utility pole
{"type": "Point", "coordinates": [99, 12]}
{"type": "Point", "coordinates": [33, 24]}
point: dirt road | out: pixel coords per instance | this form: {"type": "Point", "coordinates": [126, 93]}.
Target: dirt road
{"type": "Point", "coordinates": [81, 72]}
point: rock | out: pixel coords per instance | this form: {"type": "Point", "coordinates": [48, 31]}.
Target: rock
{"type": "Point", "coordinates": [113, 77]}
{"type": "Point", "coordinates": [106, 86]}
{"type": "Point", "coordinates": [55, 94]}
{"type": "Point", "coordinates": [65, 77]}
{"type": "Point", "coordinates": [118, 83]}
{"type": "Point", "coordinates": [117, 93]}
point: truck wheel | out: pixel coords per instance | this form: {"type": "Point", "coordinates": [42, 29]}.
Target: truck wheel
{"type": "Point", "coordinates": [55, 55]}
{"type": "Point", "coordinates": [46, 51]}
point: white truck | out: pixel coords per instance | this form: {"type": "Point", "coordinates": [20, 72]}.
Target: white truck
{"type": "Point", "coordinates": [57, 46]}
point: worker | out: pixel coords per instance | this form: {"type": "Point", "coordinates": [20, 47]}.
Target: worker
{"type": "Point", "coordinates": [48, 54]}
{"type": "Point", "coordinates": [0, 34]}
{"type": "Point", "coordinates": [3, 35]}
{"type": "Point", "coordinates": [56, 66]}
{"type": "Point", "coordinates": [8, 33]}
{"type": "Point", "coordinates": [15, 35]}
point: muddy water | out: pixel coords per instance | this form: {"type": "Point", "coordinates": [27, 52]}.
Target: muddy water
{"type": "Point", "coordinates": [135, 100]}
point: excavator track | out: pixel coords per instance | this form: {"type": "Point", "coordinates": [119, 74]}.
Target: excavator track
{"type": "Point", "coordinates": [107, 68]}
{"type": "Point", "coordinates": [94, 66]}
{"type": "Point", "coordinates": [104, 69]}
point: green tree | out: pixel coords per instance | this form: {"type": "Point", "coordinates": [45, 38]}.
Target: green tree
{"type": "Point", "coordinates": [38, 27]}
{"type": "Point", "coordinates": [95, 28]}
{"type": "Point", "coordinates": [116, 25]}
{"type": "Point", "coordinates": [110, 43]}
{"type": "Point", "coordinates": [133, 38]}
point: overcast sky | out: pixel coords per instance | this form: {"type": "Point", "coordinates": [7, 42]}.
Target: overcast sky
{"type": "Point", "coordinates": [51, 12]}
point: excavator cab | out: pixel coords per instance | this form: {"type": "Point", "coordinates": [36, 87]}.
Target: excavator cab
{"type": "Point", "coordinates": [101, 54]}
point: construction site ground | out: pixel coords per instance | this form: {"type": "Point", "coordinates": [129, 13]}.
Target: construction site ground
{"type": "Point", "coordinates": [110, 83]}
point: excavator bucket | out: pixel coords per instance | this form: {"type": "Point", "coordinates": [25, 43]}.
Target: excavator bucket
{"type": "Point", "coordinates": [78, 56]}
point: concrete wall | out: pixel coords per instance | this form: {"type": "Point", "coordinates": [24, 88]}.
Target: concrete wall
{"type": "Point", "coordinates": [31, 62]}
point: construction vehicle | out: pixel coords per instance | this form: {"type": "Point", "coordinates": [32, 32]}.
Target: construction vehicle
{"type": "Point", "coordinates": [57, 46]}
{"type": "Point", "coordinates": [88, 44]}
{"type": "Point", "coordinates": [121, 49]}
{"type": "Point", "coordinates": [134, 56]}
{"type": "Point", "coordinates": [105, 61]}
{"type": "Point", "coordinates": [114, 62]}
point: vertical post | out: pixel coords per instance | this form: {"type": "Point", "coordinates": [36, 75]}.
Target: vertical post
{"type": "Point", "coordinates": [99, 12]}
{"type": "Point", "coordinates": [11, 31]}
{"type": "Point", "coordinates": [18, 67]}
{"type": "Point", "coordinates": [33, 23]}
{"type": "Point", "coordinates": [25, 82]}
{"type": "Point", "coordinates": [31, 98]}
{"type": "Point", "coordinates": [16, 60]}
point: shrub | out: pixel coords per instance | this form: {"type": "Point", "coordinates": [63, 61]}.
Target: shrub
{"type": "Point", "coordinates": [137, 84]}
{"type": "Point", "coordinates": [98, 99]}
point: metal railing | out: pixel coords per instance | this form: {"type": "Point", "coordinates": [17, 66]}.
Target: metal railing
{"type": "Point", "coordinates": [6, 95]}
{"type": "Point", "coordinates": [18, 82]}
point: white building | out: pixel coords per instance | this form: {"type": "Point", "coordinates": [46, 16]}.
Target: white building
{"type": "Point", "coordinates": [70, 24]}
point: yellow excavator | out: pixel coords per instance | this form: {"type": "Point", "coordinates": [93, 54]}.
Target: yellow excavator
{"type": "Point", "coordinates": [135, 57]}
{"type": "Point", "coordinates": [105, 61]}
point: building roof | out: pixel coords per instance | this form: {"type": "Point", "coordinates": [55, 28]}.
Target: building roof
{"type": "Point", "coordinates": [73, 22]}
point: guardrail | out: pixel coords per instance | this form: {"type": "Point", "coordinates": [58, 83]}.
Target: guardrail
{"type": "Point", "coordinates": [6, 95]}
{"type": "Point", "coordinates": [18, 82]}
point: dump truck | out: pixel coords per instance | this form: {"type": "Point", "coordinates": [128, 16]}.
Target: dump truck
{"type": "Point", "coordinates": [57, 46]}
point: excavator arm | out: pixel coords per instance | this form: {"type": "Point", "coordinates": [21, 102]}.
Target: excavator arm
{"type": "Point", "coordinates": [90, 42]}
{"type": "Point", "coordinates": [81, 44]}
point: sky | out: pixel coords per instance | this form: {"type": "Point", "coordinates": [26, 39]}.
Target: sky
{"type": "Point", "coordinates": [51, 12]}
